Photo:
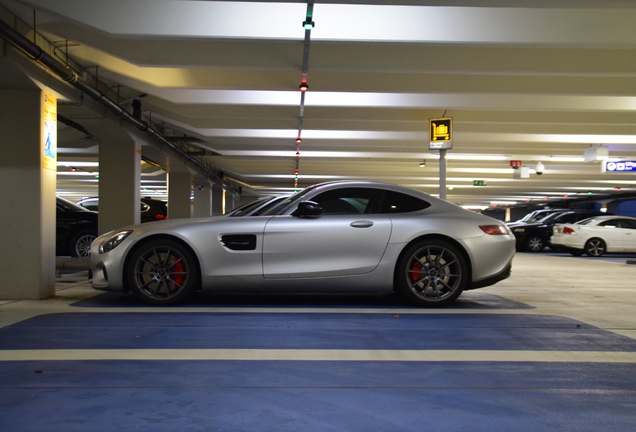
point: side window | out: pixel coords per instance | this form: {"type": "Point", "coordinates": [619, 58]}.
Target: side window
{"type": "Point", "coordinates": [396, 202]}
{"type": "Point", "coordinates": [628, 223]}
{"type": "Point", "coordinates": [611, 223]}
{"type": "Point", "coordinates": [350, 201]}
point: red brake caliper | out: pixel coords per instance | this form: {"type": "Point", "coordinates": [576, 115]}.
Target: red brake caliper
{"type": "Point", "coordinates": [416, 267]}
{"type": "Point", "coordinates": [178, 268]}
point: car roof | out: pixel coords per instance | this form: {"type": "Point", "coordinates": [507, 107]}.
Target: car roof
{"type": "Point", "coordinates": [610, 217]}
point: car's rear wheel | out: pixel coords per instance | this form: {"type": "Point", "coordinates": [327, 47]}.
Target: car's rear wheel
{"type": "Point", "coordinates": [80, 244]}
{"type": "Point", "coordinates": [595, 247]}
{"type": "Point", "coordinates": [535, 244]}
{"type": "Point", "coordinates": [431, 273]}
{"type": "Point", "coordinates": [162, 273]}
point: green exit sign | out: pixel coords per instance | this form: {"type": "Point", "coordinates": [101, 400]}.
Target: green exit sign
{"type": "Point", "coordinates": [480, 182]}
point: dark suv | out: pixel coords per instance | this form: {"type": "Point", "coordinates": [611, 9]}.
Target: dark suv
{"type": "Point", "coordinates": [534, 237]}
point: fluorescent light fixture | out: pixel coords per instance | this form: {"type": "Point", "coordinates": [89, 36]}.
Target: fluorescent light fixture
{"type": "Point", "coordinates": [77, 164]}
{"type": "Point", "coordinates": [485, 157]}
{"type": "Point", "coordinates": [503, 202]}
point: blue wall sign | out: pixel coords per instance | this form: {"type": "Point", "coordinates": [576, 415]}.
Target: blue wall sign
{"type": "Point", "coordinates": [620, 166]}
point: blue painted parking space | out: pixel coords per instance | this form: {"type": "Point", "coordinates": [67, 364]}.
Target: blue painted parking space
{"type": "Point", "coordinates": [317, 409]}
{"type": "Point", "coordinates": [200, 330]}
{"type": "Point", "coordinates": [225, 374]}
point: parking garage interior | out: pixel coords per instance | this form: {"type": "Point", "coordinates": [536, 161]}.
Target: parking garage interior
{"type": "Point", "coordinates": [209, 105]}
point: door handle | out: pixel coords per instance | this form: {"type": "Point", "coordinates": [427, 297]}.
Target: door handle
{"type": "Point", "coordinates": [362, 224]}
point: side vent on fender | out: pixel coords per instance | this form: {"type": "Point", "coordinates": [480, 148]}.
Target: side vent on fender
{"type": "Point", "coordinates": [239, 242]}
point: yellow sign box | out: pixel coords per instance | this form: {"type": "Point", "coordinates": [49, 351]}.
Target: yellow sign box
{"type": "Point", "coordinates": [49, 131]}
{"type": "Point", "coordinates": [441, 134]}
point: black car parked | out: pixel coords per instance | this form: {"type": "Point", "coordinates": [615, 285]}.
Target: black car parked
{"type": "Point", "coordinates": [535, 216]}
{"type": "Point", "coordinates": [75, 229]}
{"type": "Point", "coordinates": [151, 209]}
{"type": "Point", "coordinates": [534, 237]}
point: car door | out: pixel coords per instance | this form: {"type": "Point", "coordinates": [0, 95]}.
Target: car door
{"type": "Point", "coordinates": [629, 235]}
{"type": "Point", "coordinates": [348, 238]}
{"type": "Point", "coordinates": [612, 233]}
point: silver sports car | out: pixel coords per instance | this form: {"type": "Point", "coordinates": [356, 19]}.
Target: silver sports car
{"type": "Point", "coordinates": [332, 237]}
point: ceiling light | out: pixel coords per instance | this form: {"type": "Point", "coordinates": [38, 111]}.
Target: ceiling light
{"type": "Point", "coordinates": [298, 140]}
{"type": "Point", "coordinates": [423, 163]}
{"type": "Point", "coordinates": [304, 87]}
{"type": "Point", "coordinates": [308, 25]}
{"type": "Point", "coordinates": [486, 157]}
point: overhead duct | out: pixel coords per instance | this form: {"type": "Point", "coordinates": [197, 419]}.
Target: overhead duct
{"type": "Point", "coordinates": [66, 74]}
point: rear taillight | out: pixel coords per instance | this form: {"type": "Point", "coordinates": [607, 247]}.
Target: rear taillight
{"type": "Point", "coordinates": [495, 229]}
{"type": "Point", "coordinates": [567, 230]}
{"type": "Point", "coordinates": [160, 217]}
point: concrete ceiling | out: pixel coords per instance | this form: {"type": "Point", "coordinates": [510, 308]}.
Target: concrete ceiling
{"type": "Point", "coordinates": [542, 82]}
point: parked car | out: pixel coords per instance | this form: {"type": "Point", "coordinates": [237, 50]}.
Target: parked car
{"type": "Point", "coordinates": [339, 236]}
{"type": "Point", "coordinates": [534, 237]}
{"type": "Point", "coordinates": [151, 209]}
{"type": "Point", "coordinates": [535, 216]}
{"type": "Point", "coordinates": [596, 236]}
{"type": "Point", "coordinates": [75, 229]}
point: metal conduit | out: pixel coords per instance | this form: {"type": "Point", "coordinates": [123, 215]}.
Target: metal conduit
{"type": "Point", "coordinates": [66, 74]}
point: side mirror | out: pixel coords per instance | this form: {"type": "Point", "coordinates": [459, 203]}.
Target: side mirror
{"type": "Point", "coordinates": [308, 209]}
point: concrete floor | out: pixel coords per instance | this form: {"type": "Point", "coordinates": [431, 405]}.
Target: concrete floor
{"type": "Point", "coordinates": [553, 348]}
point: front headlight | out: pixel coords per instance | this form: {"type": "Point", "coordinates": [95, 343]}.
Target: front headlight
{"type": "Point", "coordinates": [113, 241]}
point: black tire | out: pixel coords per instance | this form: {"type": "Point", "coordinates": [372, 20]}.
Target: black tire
{"type": "Point", "coordinates": [80, 244]}
{"type": "Point", "coordinates": [162, 273]}
{"type": "Point", "coordinates": [595, 247]}
{"type": "Point", "coordinates": [431, 273]}
{"type": "Point", "coordinates": [535, 244]}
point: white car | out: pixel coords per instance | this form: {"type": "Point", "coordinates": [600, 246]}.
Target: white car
{"type": "Point", "coordinates": [596, 235]}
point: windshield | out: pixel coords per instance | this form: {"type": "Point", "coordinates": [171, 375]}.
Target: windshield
{"type": "Point", "coordinates": [248, 207]}
{"type": "Point", "coordinates": [542, 216]}
{"type": "Point", "coordinates": [527, 217]}
{"type": "Point", "coordinates": [588, 220]}
{"type": "Point", "coordinates": [551, 217]}
{"type": "Point", "coordinates": [66, 205]}
{"type": "Point", "coordinates": [289, 203]}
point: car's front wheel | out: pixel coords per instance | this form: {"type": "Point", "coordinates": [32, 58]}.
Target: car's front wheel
{"type": "Point", "coordinates": [80, 245]}
{"type": "Point", "coordinates": [162, 273]}
{"type": "Point", "coordinates": [535, 244]}
{"type": "Point", "coordinates": [431, 273]}
{"type": "Point", "coordinates": [595, 247]}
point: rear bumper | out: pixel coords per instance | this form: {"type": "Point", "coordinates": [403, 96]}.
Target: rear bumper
{"type": "Point", "coordinates": [504, 274]}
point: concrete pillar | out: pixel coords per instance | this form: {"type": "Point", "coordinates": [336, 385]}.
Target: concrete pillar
{"type": "Point", "coordinates": [202, 198]}
{"type": "Point", "coordinates": [119, 177]}
{"type": "Point", "coordinates": [217, 200]}
{"type": "Point", "coordinates": [179, 189]}
{"type": "Point", "coordinates": [229, 202]}
{"type": "Point", "coordinates": [27, 194]}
